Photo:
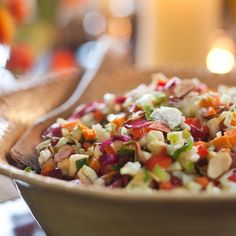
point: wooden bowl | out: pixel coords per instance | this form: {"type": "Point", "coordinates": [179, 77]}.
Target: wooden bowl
{"type": "Point", "coordinates": [64, 208]}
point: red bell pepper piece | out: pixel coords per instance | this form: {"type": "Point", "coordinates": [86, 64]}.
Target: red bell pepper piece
{"type": "Point", "coordinates": [162, 159]}
{"type": "Point", "coordinates": [198, 131]}
{"type": "Point", "coordinates": [202, 150]}
{"type": "Point", "coordinates": [233, 177]}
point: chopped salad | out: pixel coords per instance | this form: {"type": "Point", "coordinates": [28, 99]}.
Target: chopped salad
{"type": "Point", "coordinates": [170, 134]}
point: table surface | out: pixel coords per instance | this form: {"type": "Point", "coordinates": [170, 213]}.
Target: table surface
{"type": "Point", "coordinates": [7, 189]}
{"type": "Point", "coordinates": [15, 216]}
{"type": "Point", "coordinates": [16, 220]}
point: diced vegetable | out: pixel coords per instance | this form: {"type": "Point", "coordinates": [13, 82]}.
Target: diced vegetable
{"type": "Point", "coordinates": [202, 181]}
{"type": "Point", "coordinates": [176, 138]}
{"type": "Point", "coordinates": [209, 112]}
{"type": "Point", "coordinates": [140, 182]}
{"type": "Point", "coordinates": [202, 150]}
{"type": "Point", "coordinates": [160, 172]}
{"type": "Point", "coordinates": [126, 151]}
{"type": "Point", "coordinates": [70, 125]}
{"type": "Point", "coordinates": [119, 122]}
{"type": "Point", "coordinates": [166, 185]}
{"type": "Point", "coordinates": [76, 161]}
{"type": "Point", "coordinates": [154, 135]}
{"type": "Point", "coordinates": [89, 134]}
{"type": "Point", "coordinates": [82, 110]}
{"type": "Point", "coordinates": [47, 167]}
{"type": "Point", "coordinates": [194, 187]}
{"type": "Point", "coordinates": [187, 165]}
{"type": "Point", "coordinates": [162, 159]}
{"type": "Point", "coordinates": [198, 131]}
{"type": "Point", "coordinates": [53, 131]}
{"type": "Point", "coordinates": [95, 164]}
{"type": "Point", "coordinates": [81, 162]}
{"type": "Point", "coordinates": [87, 175]}
{"type": "Point", "coordinates": [187, 146]}
{"type": "Point", "coordinates": [212, 100]}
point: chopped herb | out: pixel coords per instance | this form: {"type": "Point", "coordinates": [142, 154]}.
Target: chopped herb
{"type": "Point", "coordinates": [116, 167]}
{"type": "Point", "coordinates": [28, 169]}
{"type": "Point", "coordinates": [177, 128]}
{"type": "Point", "coordinates": [81, 162]}
{"type": "Point", "coordinates": [187, 146]}
{"type": "Point", "coordinates": [126, 151]}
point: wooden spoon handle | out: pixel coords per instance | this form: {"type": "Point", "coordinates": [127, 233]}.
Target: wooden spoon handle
{"type": "Point", "coordinates": [18, 110]}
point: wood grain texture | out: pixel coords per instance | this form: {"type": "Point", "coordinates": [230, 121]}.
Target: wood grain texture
{"type": "Point", "coordinates": [19, 110]}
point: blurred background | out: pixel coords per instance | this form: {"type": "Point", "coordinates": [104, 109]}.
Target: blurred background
{"type": "Point", "coordinates": [46, 35]}
{"type": "Point", "coordinates": [41, 36]}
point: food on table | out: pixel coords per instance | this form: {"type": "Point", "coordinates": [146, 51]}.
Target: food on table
{"type": "Point", "coordinates": [172, 134]}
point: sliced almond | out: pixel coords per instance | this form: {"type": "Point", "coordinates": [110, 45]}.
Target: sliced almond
{"type": "Point", "coordinates": [211, 155]}
{"type": "Point", "coordinates": [219, 164]}
{"type": "Point", "coordinates": [183, 88]}
{"type": "Point", "coordinates": [63, 153]}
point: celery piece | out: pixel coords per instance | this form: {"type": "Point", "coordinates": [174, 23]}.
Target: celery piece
{"type": "Point", "coordinates": [146, 176]}
{"type": "Point", "coordinates": [187, 165]}
{"type": "Point", "coordinates": [187, 146]}
{"type": "Point", "coordinates": [161, 173]}
{"type": "Point", "coordinates": [186, 134]}
{"type": "Point", "coordinates": [160, 97]}
{"type": "Point", "coordinates": [175, 137]}
{"type": "Point", "coordinates": [148, 110]}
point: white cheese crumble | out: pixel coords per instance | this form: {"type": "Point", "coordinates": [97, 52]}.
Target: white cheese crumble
{"type": "Point", "coordinates": [170, 116]}
{"type": "Point", "coordinates": [130, 168]}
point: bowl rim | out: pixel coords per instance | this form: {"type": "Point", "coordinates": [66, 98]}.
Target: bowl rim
{"type": "Point", "coordinates": [98, 192]}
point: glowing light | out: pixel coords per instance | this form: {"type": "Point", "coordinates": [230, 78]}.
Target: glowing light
{"type": "Point", "coordinates": [94, 23]}
{"type": "Point", "coordinates": [122, 8]}
{"type": "Point", "coordinates": [220, 61]}
{"type": "Point", "coordinates": [220, 58]}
